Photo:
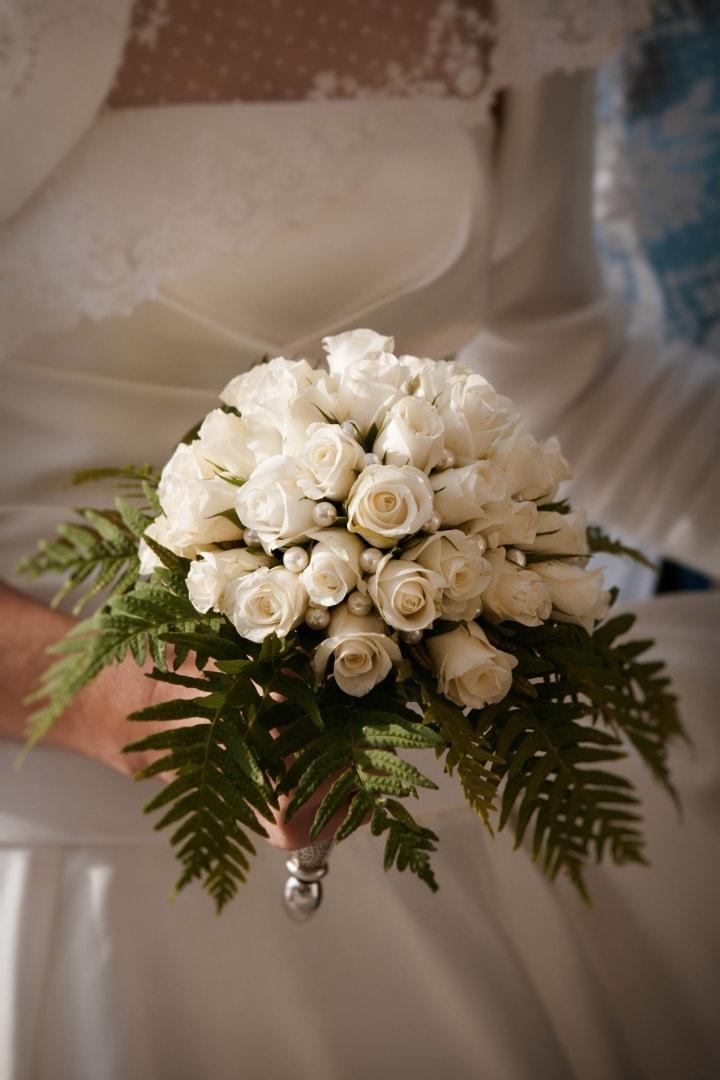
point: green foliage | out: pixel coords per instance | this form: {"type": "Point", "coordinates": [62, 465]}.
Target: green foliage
{"type": "Point", "coordinates": [628, 693]}
{"type": "Point", "coordinates": [135, 481]}
{"type": "Point", "coordinates": [599, 541]}
{"type": "Point", "coordinates": [93, 556]}
{"type": "Point", "coordinates": [356, 759]}
{"type": "Point", "coordinates": [468, 752]}
{"type": "Point", "coordinates": [99, 554]}
{"type": "Point", "coordinates": [555, 760]}
{"type": "Point", "coordinates": [219, 787]}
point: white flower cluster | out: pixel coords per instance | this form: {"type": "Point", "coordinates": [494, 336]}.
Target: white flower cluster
{"type": "Point", "coordinates": [368, 500]}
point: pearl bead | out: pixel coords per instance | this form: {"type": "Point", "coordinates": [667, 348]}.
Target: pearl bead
{"type": "Point", "coordinates": [359, 603]}
{"type": "Point", "coordinates": [370, 560]}
{"type": "Point", "coordinates": [295, 560]}
{"type": "Point", "coordinates": [411, 637]}
{"type": "Point", "coordinates": [348, 428]}
{"type": "Point", "coordinates": [447, 461]}
{"type": "Point", "coordinates": [251, 538]}
{"type": "Point", "coordinates": [433, 524]}
{"type": "Point", "coordinates": [324, 514]}
{"type": "Point", "coordinates": [514, 555]}
{"type": "Point", "coordinates": [370, 459]}
{"type": "Point", "coordinates": [317, 618]}
{"type": "Point", "coordinates": [481, 542]}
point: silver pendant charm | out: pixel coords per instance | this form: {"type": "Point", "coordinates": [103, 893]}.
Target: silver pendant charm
{"type": "Point", "coordinates": [303, 888]}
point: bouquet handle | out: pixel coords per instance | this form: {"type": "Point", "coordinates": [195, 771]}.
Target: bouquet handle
{"type": "Point", "coordinates": [303, 888]}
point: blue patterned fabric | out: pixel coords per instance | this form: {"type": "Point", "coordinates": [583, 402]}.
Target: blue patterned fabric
{"type": "Point", "coordinates": [659, 107]}
{"type": "Point", "coordinates": [672, 114]}
{"type": "Point", "coordinates": [658, 189]}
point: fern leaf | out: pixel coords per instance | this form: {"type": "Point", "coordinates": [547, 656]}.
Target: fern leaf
{"type": "Point", "coordinates": [219, 792]}
{"type": "Point", "coordinates": [599, 541]}
{"type": "Point", "coordinates": [578, 812]}
{"type": "Point", "coordinates": [360, 807]}
{"type": "Point", "coordinates": [468, 752]}
{"type": "Point", "coordinates": [102, 552]}
{"type": "Point", "coordinates": [389, 764]}
{"type": "Point", "coordinates": [340, 792]}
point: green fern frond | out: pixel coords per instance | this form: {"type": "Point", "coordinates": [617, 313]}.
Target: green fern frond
{"type": "Point", "coordinates": [557, 781]}
{"type": "Point", "coordinates": [219, 791]}
{"type": "Point", "coordinates": [559, 777]}
{"type": "Point", "coordinates": [468, 753]}
{"type": "Point", "coordinates": [408, 845]}
{"type": "Point", "coordinates": [357, 751]}
{"type": "Point", "coordinates": [136, 481]}
{"type": "Point", "coordinates": [632, 696]}
{"type": "Point", "coordinates": [599, 541]}
{"type": "Point", "coordinates": [99, 555]}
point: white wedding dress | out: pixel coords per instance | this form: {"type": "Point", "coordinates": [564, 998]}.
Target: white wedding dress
{"type": "Point", "coordinates": [146, 256]}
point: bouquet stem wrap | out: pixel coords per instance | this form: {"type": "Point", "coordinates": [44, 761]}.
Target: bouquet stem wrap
{"type": "Point", "coordinates": [303, 888]}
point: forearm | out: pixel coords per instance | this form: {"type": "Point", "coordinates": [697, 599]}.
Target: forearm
{"type": "Point", "coordinates": [95, 723]}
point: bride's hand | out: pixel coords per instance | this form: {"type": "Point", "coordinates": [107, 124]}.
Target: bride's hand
{"type": "Point", "coordinates": [96, 723]}
{"type": "Point", "coordinates": [282, 834]}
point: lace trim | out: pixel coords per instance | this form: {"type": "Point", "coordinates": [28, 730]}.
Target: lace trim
{"type": "Point", "coordinates": [93, 245]}
{"type": "Point", "coordinates": [182, 51]}
{"type": "Point", "coordinates": [480, 52]}
{"type": "Point", "coordinates": [537, 37]}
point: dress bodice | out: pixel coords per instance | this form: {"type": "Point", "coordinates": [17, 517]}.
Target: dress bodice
{"type": "Point", "coordinates": [186, 281]}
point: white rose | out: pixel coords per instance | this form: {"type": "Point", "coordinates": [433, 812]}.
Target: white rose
{"type": "Point", "coordinates": [471, 671]}
{"type": "Point", "coordinates": [412, 434]}
{"type": "Point", "coordinates": [561, 534]}
{"type": "Point", "coordinates": [532, 470]}
{"type": "Point", "coordinates": [345, 350]}
{"type": "Point", "coordinates": [313, 406]}
{"type": "Point", "coordinates": [193, 498]}
{"type": "Point", "coordinates": [514, 593]}
{"type": "Point", "coordinates": [457, 559]}
{"type": "Point", "coordinates": [520, 525]}
{"type": "Point", "coordinates": [577, 594]}
{"type": "Point", "coordinates": [272, 385]}
{"type": "Point", "coordinates": [490, 522]}
{"type": "Point", "coordinates": [460, 494]}
{"type": "Point", "coordinates": [365, 399]}
{"type": "Point", "coordinates": [505, 523]}
{"type": "Point", "coordinates": [428, 378]}
{"type": "Point", "coordinates": [475, 417]}
{"type": "Point", "coordinates": [238, 445]}
{"type": "Point", "coordinates": [333, 458]}
{"type": "Point", "coordinates": [388, 503]}
{"type": "Point", "coordinates": [214, 570]}
{"type": "Point", "coordinates": [162, 533]}
{"type": "Point", "coordinates": [267, 601]}
{"type": "Point", "coordinates": [334, 567]}
{"type": "Point", "coordinates": [276, 502]}
{"type": "Point", "coordinates": [555, 464]}
{"type": "Point", "coordinates": [363, 652]}
{"type": "Point", "coordinates": [405, 593]}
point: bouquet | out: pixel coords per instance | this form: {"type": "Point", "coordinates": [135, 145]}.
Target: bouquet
{"type": "Point", "coordinates": [346, 562]}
